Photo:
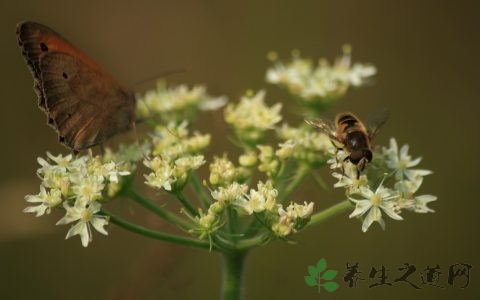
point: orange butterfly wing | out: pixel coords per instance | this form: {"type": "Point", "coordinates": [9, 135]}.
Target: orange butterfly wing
{"type": "Point", "coordinates": [82, 101]}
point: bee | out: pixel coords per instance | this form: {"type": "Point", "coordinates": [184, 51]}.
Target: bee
{"type": "Point", "coordinates": [350, 134]}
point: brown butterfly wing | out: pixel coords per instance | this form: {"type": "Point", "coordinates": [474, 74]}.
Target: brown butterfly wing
{"type": "Point", "coordinates": [82, 101]}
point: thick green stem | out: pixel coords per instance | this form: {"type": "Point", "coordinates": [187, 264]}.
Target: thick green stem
{"type": "Point", "coordinates": [232, 275]}
{"type": "Point", "coordinates": [330, 212]}
{"type": "Point", "coordinates": [159, 235]}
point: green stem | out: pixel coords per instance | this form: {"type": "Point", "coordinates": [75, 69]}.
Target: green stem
{"type": "Point", "coordinates": [158, 235]}
{"type": "Point", "coordinates": [232, 220]}
{"type": "Point", "coordinates": [302, 171]}
{"type": "Point", "coordinates": [256, 241]}
{"type": "Point", "coordinates": [200, 191]}
{"type": "Point", "coordinates": [232, 275]}
{"type": "Point", "coordinates": [186, 204]}
{"type": "Point", "coordinates": [330, 212]}
{"type": "Point", "coordinates": [151, 206]}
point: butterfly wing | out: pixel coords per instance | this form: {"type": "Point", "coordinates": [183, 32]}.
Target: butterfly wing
{"type": "Point", "coordinates": [86, 110]}
{"type": "Point", "coordinates": [83, 102]}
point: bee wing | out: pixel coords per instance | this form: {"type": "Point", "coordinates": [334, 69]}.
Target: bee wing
{"type": "Point", "coordinates": [375, 120]}
{"type": "Point", "coordinates": [325, 126]}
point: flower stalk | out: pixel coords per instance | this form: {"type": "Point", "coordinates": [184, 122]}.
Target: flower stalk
{"type": "Point", "coordinates": [232, 275]}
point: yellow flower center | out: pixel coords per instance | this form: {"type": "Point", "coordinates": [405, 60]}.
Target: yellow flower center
{"type": "Point", "coordinates": [376, 200]}
{"type": "Point", "coordinates": [402, 164]}
{"type": "Point", "coordinates": [86, 215]}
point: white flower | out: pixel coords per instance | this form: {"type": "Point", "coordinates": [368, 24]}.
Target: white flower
{"type": "Point", "coordinates": [401, 162]}
{"type": "Point", "coordinates": [110, 171]}
{"type": "Point", "coordinates": [291, 218]}
{"type": "Point", "coordinates": [284, 226]}
{"type": "Point", "coordinates": [189, 163]}
{"type": "Point", "coordinates": [409, 201]}
{"type": "Point", "coordinates": [88, 189]}
{"type": "Point", "coordinates": [295, 211]}
{"type": "Point", "coordinates": [248, 159]}
{"type": "Point", "coordinates": [56, 178]}
{"type": "Point", "coordinates": [161, 177]}
{"type": "Point", "coordinates": [264, 198]}
{"type": "Point", "coordinates": [256, 201]}
{"type": "Point", "coordinates": [230, 193]}
{"type": "Point", "coordinates": [60, 160]}
{"type": "Point", "coordinates": [420, 203]}
{"type": "Point", "coordinates": [373, 204]}
{"type": "Point", "coordinates": [303, 211]}
{"type": "Point", "coordinates": [286, 150]}
{"type": "Point", "coordinates": [223, 172]}
{"type": "Point", "coordinates": [85, 217]}
{"type": "Point", "coordinates": [213, 103]}
{"type": "Point", "coordinates": [47, 201]}
{"type": "Point", "coordinates": [268, 163]}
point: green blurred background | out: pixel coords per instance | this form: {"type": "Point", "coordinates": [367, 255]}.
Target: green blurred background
{"type": "Point", "coordinates": [427, 56]}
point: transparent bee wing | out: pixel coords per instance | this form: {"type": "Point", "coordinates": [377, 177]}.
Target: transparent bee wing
{"type": "Point", "coordinates": [325, 126]}
{"type": "Point", "coordinates": [375, 120]}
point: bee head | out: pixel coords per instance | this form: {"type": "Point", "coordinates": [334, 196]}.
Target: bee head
{"type": "Point", "coordinates": [360, 158]}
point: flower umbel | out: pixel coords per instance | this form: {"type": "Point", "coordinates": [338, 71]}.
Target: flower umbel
{"type": "Point", "coordinates": [322, 84]}
{"type": "Point", "coordinates": [77, 184]}
{"type": "Point", "coordinates": [177, 104]}
{"type": "Point", "coordinates": [393, 167]}
{"type": "Point", "coordinates": [252, 117]}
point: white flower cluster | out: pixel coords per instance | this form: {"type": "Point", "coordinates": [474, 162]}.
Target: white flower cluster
{"type": "Point", "coordinates": [178, 103]}
{"type": "Point", "coordinates": [171, 174]}
{"type": "Point", "coordinates": [251, 117]}
{"type": "Point", "coordinates": [262, 202]}
{"type": "Point", "coordinates": [176, 154]}
{"type": "Point", "coordinates": [303, 145]}
{"type": "Point", "coordinates": [403, 181]}
{"type": "Point", "coordinates": [223, 172]}
{"type": "Point", "coordinates": [77, 184]}
{"type": "Point", "coordinates": [321, 83]}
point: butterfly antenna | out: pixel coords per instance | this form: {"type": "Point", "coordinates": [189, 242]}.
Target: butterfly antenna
{"type": "Point", "coordinates": [161, 75]}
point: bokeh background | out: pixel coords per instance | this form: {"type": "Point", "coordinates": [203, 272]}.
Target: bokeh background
{"type": "Point", "coordinates": [427, 56]}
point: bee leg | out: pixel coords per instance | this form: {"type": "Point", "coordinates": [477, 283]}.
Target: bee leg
{"type": "Point", "coordinates": [344, 160]}
{"type": "Point", "coordinates": [336, 152]}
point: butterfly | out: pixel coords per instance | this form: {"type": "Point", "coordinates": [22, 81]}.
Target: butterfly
{"type": "Point", "coordinates": [83, 103]}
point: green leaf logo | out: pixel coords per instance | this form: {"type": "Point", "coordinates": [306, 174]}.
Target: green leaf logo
{"type": "Point", "coordinates": [316, 277]}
